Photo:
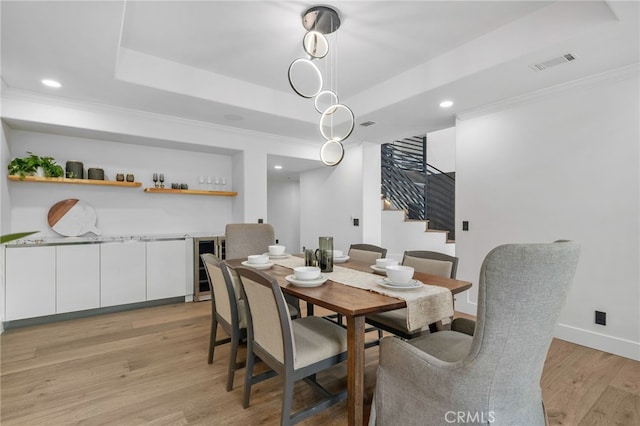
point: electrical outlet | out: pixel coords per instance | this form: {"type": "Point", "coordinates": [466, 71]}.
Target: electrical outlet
{"type": "Point", "coordinates": [465, 225]}
{"type": "Point", "coordinates": [260, 221]}
{"type": "Point", "coordinates": [356, 222]}
{"type": "Point", "coordinates": [601, 318]}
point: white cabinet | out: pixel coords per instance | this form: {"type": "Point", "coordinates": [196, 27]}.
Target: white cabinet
{"type": "Point", "coordinates": [30, 282]}
{"type": "Point", "coordinates": [122, 273]}
{"type": "Point", "coordinates": [77, 277]}
{"type": "Point", "coordinates": [166, 269]}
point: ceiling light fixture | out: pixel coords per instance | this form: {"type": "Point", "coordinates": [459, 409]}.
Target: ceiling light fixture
{"type": "Point", "coordinates": [277, 167]}
{"type": "Point", "coordinates": [51, 83]}
{"type": "Point", "coordinates": [446, 104]}
{"type": "Point", "coordinates": [337, 120]}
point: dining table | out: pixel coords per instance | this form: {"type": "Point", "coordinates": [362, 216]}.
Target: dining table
{"type": "Point", "coordinates": [353, 304]}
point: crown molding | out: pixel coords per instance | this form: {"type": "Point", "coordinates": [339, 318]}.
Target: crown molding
{"type": "Point", "coordinates": [618, 74]}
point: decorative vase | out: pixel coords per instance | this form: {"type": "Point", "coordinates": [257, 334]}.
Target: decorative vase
{"type": "Point", "coordinates": [75, 169]}
{"type": "Point", "coordinates": [95, 174]}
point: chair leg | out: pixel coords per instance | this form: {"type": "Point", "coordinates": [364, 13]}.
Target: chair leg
{"type": "Point", "coordinates": [212, 338]}
{"type": "Point", "coordinates": [248, 376]}
{"type": "Point", "coordinates": [287, 401]}
{"type": "Point", "coordinates": [232, 361]}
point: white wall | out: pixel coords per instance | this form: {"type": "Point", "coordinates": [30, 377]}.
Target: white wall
{"type": "Point", "coordinates": [283, 209]}
{"type": "Point", "coordinates": [122, 210]}
{"type": "Point", "coordinates": [564, 165]}
{"type": "Point", "coordinates": [329, 198]}
{"type": "Point", "coordinates": [441, 149]}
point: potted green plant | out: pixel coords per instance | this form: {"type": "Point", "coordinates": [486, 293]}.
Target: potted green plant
{"type": "Point", "coordinates": [28, 166]}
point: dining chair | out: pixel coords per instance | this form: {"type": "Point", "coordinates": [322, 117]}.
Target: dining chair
{"type": "Point", "coordinates": [227, 309]}
{"type": "Point", "coordinates": [245, 239]}
{"type": "Point", "coordinates": [366, 253]}
{"type": "Point", "coordinates": [493, 375]}
{"type": "Point", "coordinates": [295, 349]}
{"type": "Point", "coordinates": [427, 262]}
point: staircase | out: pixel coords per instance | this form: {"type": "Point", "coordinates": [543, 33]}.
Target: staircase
{"type": "Point", "coordinates": [418, 193]}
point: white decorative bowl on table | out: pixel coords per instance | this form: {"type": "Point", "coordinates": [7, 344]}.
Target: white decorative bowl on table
{"type": "Point", "coordinates": [276, 250]}
{"type": "Point", "coordinates": [306, 273]}
{"type": "Point", "coordinates": [399, 274]}
{"type": "Point", "coordinates": [256, 259]}
{"type": "Point", "coordinates": [338, 253]}
{"type": "Point", "coordinates": [385, 261]}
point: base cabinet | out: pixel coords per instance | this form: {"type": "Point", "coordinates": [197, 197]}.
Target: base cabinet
{"type": "Point", "coordinates": [77, 277]}
{"type": "Point", "coordinates": [30, 282]}
{"type": "Point", "coordinates": [122, 273]}
{"type": "Point", "coordinates": [56, 279]}
{"type": "Point", "coordinates": [166, 269]}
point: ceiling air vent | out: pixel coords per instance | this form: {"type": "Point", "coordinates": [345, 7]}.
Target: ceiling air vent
{"type": "Point", "coordinates": [568, 57]}
{"type": "Point", "coordinates": [367, 123]}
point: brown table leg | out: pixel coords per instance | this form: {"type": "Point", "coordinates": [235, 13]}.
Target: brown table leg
{"type": "Point", "coordinates": [355, 370]}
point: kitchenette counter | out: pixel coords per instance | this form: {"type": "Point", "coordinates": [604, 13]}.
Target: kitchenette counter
{"type": "Point", "coordinates": [99, 239]}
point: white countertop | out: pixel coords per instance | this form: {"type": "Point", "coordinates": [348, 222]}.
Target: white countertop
{"type": "Point", "coordinates": [97, 239]}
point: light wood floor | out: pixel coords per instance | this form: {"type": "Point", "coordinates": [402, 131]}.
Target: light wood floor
{"type": "Point", "coordinates": [149, 367]}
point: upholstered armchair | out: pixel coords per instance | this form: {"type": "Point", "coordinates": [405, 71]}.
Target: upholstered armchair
{"type": "Point", "coordinates": [494, 375]}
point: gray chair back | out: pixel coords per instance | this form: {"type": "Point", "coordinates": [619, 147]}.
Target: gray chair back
{"type": "Point", "coordinates": [270, 320]}
{"type": "Point", "coordinates": [367, 253]}
{"type": "Point", "coordinates": [244, 239]}
{"type": "Point", "coordinates": [431, 262]}
{"type": "Point", "coordinates": [522, 289]}
{"type": "Point", "coordinates": [221, 290]}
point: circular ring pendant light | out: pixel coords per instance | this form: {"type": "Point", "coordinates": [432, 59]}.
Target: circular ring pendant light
{"type": "Point", "coordinates": [331, 152]}
{"type": "Point", "coordinates": [315, 44]}
{"type": "Point", "coordinates": [337, 122]}
{"type": "Point", "coordinates": [305, 78]}
{"type": "Point", "coordinates": [324, 100]}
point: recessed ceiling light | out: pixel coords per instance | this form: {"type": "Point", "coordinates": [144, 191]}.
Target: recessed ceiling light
{"type": "Point", "coordinates": [51, 83]}
{"type": "Point", "coordinates": [278, 167]}
{"type": "Point", "coordinates": [446, 104]}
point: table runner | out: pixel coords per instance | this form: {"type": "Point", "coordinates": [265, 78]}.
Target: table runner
{"type": "Point", "coordinates": [425, 305]}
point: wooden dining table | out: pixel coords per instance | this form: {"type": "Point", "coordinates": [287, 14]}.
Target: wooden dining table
{"type": "Point", "coordinates": [353, 304]}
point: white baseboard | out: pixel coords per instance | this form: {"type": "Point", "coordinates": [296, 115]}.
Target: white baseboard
{"type": "Point", "coordinates": [601, 342]}
{"type": "Point", "coordinates": [579, 336]}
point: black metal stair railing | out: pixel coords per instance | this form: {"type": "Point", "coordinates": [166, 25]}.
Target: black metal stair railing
{"type": "Point", "coordinates": [410, 183]}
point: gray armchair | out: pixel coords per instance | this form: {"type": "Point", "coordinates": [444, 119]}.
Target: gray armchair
{"type": "Point", "coordinates": [494, 376]}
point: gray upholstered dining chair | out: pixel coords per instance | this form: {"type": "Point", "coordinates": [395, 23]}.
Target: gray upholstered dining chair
{"type": "Point", "coordinates": [366, 253]}
{"type": "Point", "coordinates": [295, 349]}
{"type": "Point", "coordinates": [245, 239]}
{"type": "Point", "coordinates": [428, 262]}
{"type": "Point", "coordinates": [494, 376]}
{"type": "Point", "coordinates": [228, 310]}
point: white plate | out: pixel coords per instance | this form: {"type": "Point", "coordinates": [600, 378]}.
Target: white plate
{"type": "Point", "coordinates": [317, 282]}
{"type": "Point", "coordinates": [341, 259]}
{"type": "Point", "coordinates": [277, 256]}
{"type": "Point", "coordinates": [413, 284]}
{"type": "Point", "coordinates": [258, 266]}
{"type": "Point", "coordinates": [378, 270]}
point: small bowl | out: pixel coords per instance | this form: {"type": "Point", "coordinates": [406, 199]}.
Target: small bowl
{"type": "Point", "coordinates": [400, 274]}
{"type": "Point", "coordinates": [306, 272]}
{"type": "Point", "coordinates": [338, 253]}
{"type": "Point", "coordinates": [276, 250]}
{"type": "Point", "coordinates": [384, 262]}
{"type": "Point", "coordinates": [257, 259]}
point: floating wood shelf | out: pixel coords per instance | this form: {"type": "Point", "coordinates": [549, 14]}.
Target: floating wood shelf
{"type": "Point", "coordinates": [39, 179]}
{"type": "Point", "coordinates": [190, 192]}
